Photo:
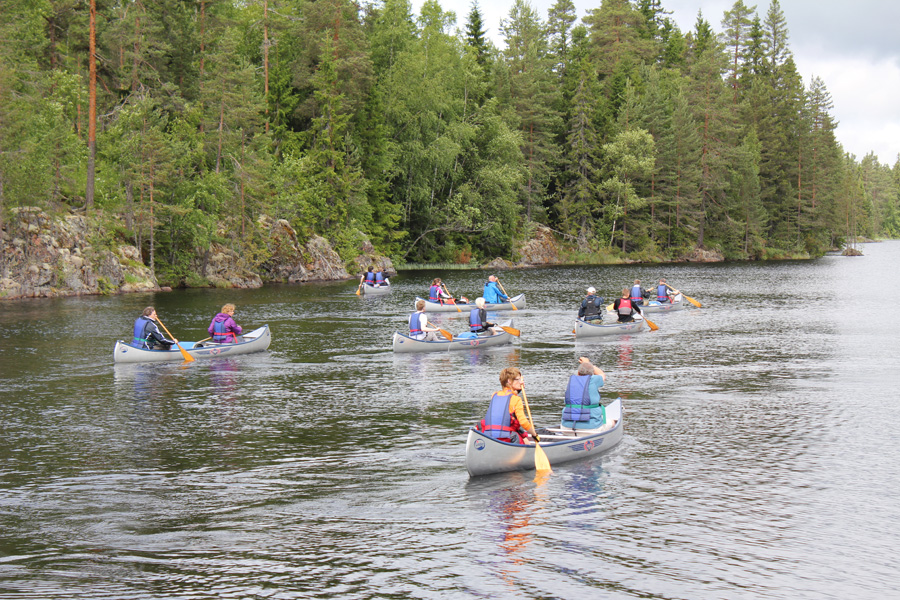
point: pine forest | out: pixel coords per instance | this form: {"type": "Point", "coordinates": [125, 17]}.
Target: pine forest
{"type": "Point", "coordinates": [178, 123]}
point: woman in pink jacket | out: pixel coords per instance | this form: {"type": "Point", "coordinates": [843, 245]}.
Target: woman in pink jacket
{"type": "Point", "coordinates": [223, 329]}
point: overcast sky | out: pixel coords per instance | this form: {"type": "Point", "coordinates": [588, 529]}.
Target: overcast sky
{"type": "Point", "coordinates": [853, 46]}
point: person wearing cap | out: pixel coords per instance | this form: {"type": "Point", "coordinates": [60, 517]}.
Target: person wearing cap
{"type": "Point", "coordinates": [591, 307]}
{"type": "Point", "coordinates": [492, 292]}
{"type": "Point", "coordinates": [625, 308]}
{"type": "Point", "coordinates": [478, 322]}
{"type": "Point", "coordinates": [665, 292]}
{"type": "Point", "coordinates": [583, 409]}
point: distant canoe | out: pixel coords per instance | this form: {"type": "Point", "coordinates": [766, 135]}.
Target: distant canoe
{"type": "Point", "coordinates": [585, 329]}
{"type": "Point", "coordinates": [254, 341]}
{"type": "Point", "coordinates": [376, 290]}
{"type": "Point", "coordinates": [485, 455]}
{"type": "Point", "coordinates": [678, 303]}
{"type": "Point", "coordinates": [445, 306]}
{"type": "Point", "coordinates": [402, 343]}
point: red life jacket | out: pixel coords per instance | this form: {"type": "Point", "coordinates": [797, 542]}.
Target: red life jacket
{"type": "Point", "coordinates": [624, 306]}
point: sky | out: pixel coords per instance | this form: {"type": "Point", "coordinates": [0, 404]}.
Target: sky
{"type": "Point", "coordinates": [852, 46]}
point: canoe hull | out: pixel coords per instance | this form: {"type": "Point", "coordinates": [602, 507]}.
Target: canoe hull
{"type": "Point", "coordinates": [254, 341]}
{"type": "Point", "coordinates": [657, 307]}
{"type": "Point", "coordinates": [402, 343]}
{"type": "Point", "coordinates": [584, 329]}
{"type": "Point", "coordinates": [372, 290]}
{"type": "Point", "coordinates": [430, 306]}
{"type": "Point", "coordinates": [486, 456]}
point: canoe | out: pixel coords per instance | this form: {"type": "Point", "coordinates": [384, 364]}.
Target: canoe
{"type": "Point", "coordinates": [376, 290]}
{"type": "Point", "coordinates": [485, 455]}
{"type": "Point", "coordinates": [403, 343]}
{"type": "Point", "coordinates": [254, 341]}
{"type": "Point", "coordinates": [584, 329]}
{"type": "Point", "coordinates": [657, 307]}
{"type": "Point", "coordinates": [431, 306]}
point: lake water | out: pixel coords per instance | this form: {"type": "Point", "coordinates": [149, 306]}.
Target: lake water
{"type": "Point", "coordinates": [760, 454]}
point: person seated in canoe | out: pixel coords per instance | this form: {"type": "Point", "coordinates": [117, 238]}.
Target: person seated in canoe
{"type": "Point", "coordinates": [380, 279]}
{"type": "Point", "coordinates": [505, 419]}
{"type": "Point", "coordinates": [665, 292]}
{"type": "Point", "coordinates": [419, 329]}
{"type": "Point", "coordinates": [438, 293]}
{"type": "Point", "coordinates": [147, 334]}
{"type": "Point", "coordinates": [625, 308]}
{"type": "Point", "coordinates": [223, 328]}
{"type": "Point", "coordinates": [583, 409]}
{"type": "Point", "coordinates": [591, 307]}
{"type": "Point", "coordinates": [492, 292]}
{"type": "Point", "coordinates": [368, 277]}
{"type": "Point", "coordinates": [638, 294]}
{"type": "Point", "coordinates": [478, 322]}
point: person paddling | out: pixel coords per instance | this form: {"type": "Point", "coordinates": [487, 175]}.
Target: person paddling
{"type": "Point", "coordinates": [505, 419]}
{"type": "Point", "coordinates": [625, 308]}
{"type": "Point", "coordinates": [591, 307]}
{"type": "Point", "coordinates": [147, 334]}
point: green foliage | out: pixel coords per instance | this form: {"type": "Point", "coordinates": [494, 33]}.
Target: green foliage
{"type": "Point", "coordinates": [631, 138]}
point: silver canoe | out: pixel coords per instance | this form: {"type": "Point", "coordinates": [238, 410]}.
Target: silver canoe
{"type": "Point", "coordinates": [376, 290]}
{"type": "Point", "coordinates": [254, 341]}
{"type": "Point", "coordinates": [584, 329]}
{"type": "Point", "coordinates": [431, 306]}
{"type": "Point", "coordinates": [403, 343]}
{"type": "Point", "coordinates": [657, 307]}
{"type": "Point", "coordinates": [485, 455]}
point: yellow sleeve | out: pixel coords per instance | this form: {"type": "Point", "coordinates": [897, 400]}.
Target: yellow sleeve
{"type": "Point", "coordinates": [519, 410]}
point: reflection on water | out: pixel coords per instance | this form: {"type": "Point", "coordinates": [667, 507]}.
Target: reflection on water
{"type": "Point", "coordinates": [754, 459]}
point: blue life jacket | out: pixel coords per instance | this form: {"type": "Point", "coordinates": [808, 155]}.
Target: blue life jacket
{"type": "Point", "coordinates": [370, 277]}
{"type": "Point", "coordinates": [662, 293]}
{"type": "Point", "coordinates": [578, 399]}
{"type": "Point", "coordinates": [636, 294]}
{"type": "Point", "coordinates": [142, 328]}
{"type": "Point", "coordinates": [498, 422]}
{"type": "Point", "coordinates": [220, 335]}
{"type": "Point", "coordinates": [475, 323]}
{"type": "Point", "coordinates": [434, 293]}
{"type": "Point", "coordinates": [624, 306]}
{"type": "Point", "coordinates": [414, 324]}
{"type": "Point", "coordinates": [379, 277]}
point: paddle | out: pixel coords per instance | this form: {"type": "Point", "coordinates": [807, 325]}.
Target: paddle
{"type": "Point", "coordinates": [691, 300]}
{"type": "Point", "coordinates": [359, 288]}
{"type": "Point", "coordinates": [507, 295]}
{"type": "Point", "coordinates": [653, 326]}
{"type": "Point", "coordinates": [541, 462]}
{"type": "Point", "coordinates": [452, 301]}
{"type": "Point", "coordinates": [187, 357]}
{"type": "Point", "coordinates": [444, 332]}
{"type": "Point", "coordinates": [510, 330]}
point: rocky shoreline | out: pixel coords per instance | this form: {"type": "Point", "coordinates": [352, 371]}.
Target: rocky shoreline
{"type": "Point", "coordinates": [43, 256]}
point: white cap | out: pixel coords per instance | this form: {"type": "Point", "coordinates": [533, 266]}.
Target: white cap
{"type": "Point", "coordinates": [591, 290]}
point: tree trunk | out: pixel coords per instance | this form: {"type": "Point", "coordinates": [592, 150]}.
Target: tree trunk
{"type": "Point", "coordinates": [92, 108]}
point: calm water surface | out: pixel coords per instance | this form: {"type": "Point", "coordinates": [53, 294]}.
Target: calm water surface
{"type": "Point", "coordinates": [760, 456]}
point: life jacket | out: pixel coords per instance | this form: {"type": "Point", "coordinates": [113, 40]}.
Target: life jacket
{"type": "Point", "coordinates": [662, 293]}
{"type": "Point", "coordinates": [142, 330]}
{"type": "Point", "coordinates": [220, 335]}
{"type": "Point", "coordinates": [578, 399]}
{"type": "Point", "coordinates": [636, 294]}
{"type": "Point", "coordinates": [590, 306]}
{"type": "Point", "coordinates": [370, 277]}
{"type": "Point", "coordinates": [624, 306]}
{"type": "Point", "coordinates": [434, 293]}
{"type": "Point", "coordinates": [379, 277]}
{"type": "Point", "coordinates": [414, 324]}
{"type": "Point", "coordinates": [499, 423]}
{"type": "Point", "coordinates": [475, 323]}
